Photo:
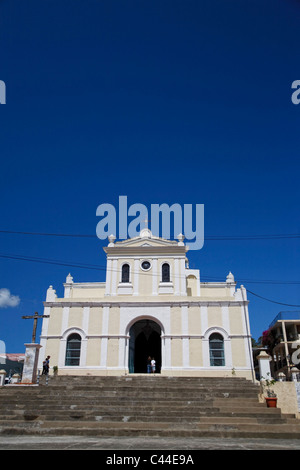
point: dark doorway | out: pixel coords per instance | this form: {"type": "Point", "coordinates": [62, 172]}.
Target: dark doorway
{"type": "Point", "coordinates": [145, 341]}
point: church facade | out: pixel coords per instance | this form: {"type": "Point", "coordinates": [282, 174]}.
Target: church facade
{"type": "Point", "coordinates": [151, 304]}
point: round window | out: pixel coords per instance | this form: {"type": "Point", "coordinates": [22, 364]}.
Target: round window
{"type": "Point", "coordinates": [146, 265]}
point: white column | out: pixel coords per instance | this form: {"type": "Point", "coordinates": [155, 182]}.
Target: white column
{"type": "Point", "coordinates": [247, 339]}
{"type": "Point", "coordinates": [85, 327]}
{"type": "Point", "coordinates": [83, 352]}
{"type": "Point", "coordinates": [2, 377]}
{"type": "Point", "coordinates": [122, 350]}
{"type": "Point", "coordinates": [104, 341]}
{"type": "Point", "coordinates": [63, 341]}
{"type": "Point", "coordinates": [182, 277]}
{"type": "Point", "coordinates": [204, 318]}
{"type": "Point", "coordinates": [264, 365]}
{"type": "Point", "coordinates": [185, 340]}
{"type": "Point", "coordinates": [68, 286]}
{"type": "Point", "coordinates": [155, 278]}
{"type": "Point", "coordinates": [166, 352]}
{"type": "Point", "coordinates": [158, 272]}
{"type": "Point", "coordinates": [166, 341]}
{"type": "Point", "coordinates": [198, 285]}
{"type": "Point", "coordinates": [204, 326]}
{"type": "Point", "coordinates": [44, 333]}
{"type": "Point", "coordinates": [85, 319]}
{"type": "Point", "coordinates": [176, 277]}
{"type": "Point", "coordinates": [227, 342]}
{"type": "Point", "coordinates": [136, 277]}
{"type": "Point", "coordinates": [114, 277]}
{"type": "Point", "coordinates": [108, 276]}
{"type": "Point", "coordinates": [29, 374]}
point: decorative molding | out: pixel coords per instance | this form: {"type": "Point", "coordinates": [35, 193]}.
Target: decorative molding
{"type": "Point", "coordinates": [163, 336]}
{"type": "Point", "coordinates": [145, 250]}
{"type": "Point", "coordinates": [160, 303]}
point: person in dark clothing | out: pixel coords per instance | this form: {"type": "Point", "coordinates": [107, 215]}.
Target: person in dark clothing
{"type": "Point", "coordinates": [46, 365]}
{"type": "Point", "coordinates": [149, 365]}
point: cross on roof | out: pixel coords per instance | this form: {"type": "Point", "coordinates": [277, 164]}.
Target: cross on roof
{"type": "Point", "coordinates": [146, 222]}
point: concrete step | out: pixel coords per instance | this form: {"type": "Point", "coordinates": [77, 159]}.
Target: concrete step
{"type": "Point", "coordinates": [145, 381]}
{"type": "Point", "coordinates": [143, 410]}
{"type": "Point", "coordinates": [163, 429]}
{"type": "Point", "coordinates": [155, 396]}
{"type": "Point", "coordinates": [67, 415]}
{"type": "Point", "coordinates": [81, 415]}
{"type": "Point", "coordinates": [137, 405]}
{"type": "Point", "coordinates": [41, 390]}
{"type": "Point", "coordinates": [141, 386]}
{"type": "Point", "coordinates": [86, 417]}
{"type": "Point", "coordinates": [142, 405]}
{"type": "Point", "coordinates": [131, 404]}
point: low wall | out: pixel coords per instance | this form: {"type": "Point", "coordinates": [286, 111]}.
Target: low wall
{"type": "Point", "coordinates": [287, 397]}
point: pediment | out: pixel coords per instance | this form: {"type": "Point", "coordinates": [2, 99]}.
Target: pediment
{"type": "Point", "coordinates": [146, 241]}
{"type": "Point", "coordinates": [151, 242]}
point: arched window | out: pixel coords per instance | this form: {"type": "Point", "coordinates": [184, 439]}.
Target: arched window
{"type": "Point", "coordinates": [165, 272]}
{"type": "Point", "coordinates": [216, 350]}
{"type": "Point", "coordinates": [73, 350]}
{"type": "Point", "coordinates": [125, 273]}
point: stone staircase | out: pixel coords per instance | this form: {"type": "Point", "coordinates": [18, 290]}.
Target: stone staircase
{"type": "Point", "coordinates": [142, 405]}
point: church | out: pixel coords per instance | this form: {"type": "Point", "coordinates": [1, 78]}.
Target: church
{"type": "Point", "coordinates": [150, 305]}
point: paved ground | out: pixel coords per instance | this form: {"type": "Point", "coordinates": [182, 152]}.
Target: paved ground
{"type": "Point", "coordinates": [134, 444]}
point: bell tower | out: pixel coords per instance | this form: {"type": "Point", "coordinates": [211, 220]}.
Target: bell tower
{"type": "Point", "coordinates": [146, 266]}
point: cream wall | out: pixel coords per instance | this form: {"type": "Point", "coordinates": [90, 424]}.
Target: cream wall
{"type": "Point", "coordinates": [85, 293]}
{"type": "Point", "coordinates": [194, 320]}
{"type": "Point", "coordinates": [238, 352]}
{"type": "Point", "coordinates": [75, 317]}
{"type": "Point", "coordinates": [186, 327]}
{"type": "Point", "coordinates": [176, 355]}
{"type": "Point", "coordinates": [114, 321]}
{"type": "Point", "coordinates": [214, 316]}
{"type": "Point", "coordinates": [95, 320]}
{"type": "Point", "coordinates": [55, 321]}
{"type": "Point", "coordinates": [236, 320]}
{"type": "Point", "coordinates": [93, 355]}
{"type": "Point", "coordinates": [176, 321]}
{"type": "Point", "coordinates": [187, 311]}
{"type": "Point", "coordinates": [52, 350]}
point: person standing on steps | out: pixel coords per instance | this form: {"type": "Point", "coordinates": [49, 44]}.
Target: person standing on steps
{"type": "Point", "coordinates": [44, 367]}
{"type": "Point", "coordinates": [47, 365]}
{"type": "Point", "coordinates": [153, 365]}
{"type": "Point", "coordinates": [149, 365]}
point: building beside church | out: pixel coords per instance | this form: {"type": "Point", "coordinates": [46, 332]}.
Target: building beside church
{"type": "Point", "coordinates": [151, 304]}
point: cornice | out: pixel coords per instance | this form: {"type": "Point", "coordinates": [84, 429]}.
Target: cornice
{"type": "Point", "coordinates": [161, 303]}
{"type": "Point", "coordinates": [145, 250]}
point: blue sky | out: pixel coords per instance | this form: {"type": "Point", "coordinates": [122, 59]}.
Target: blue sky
{"type": "Point", "coordinates": [162, 101]}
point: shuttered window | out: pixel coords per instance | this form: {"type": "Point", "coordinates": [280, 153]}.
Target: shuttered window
{"type": "Point", "coordinates": [73, 350]}
{"type": "Point", "coordinates": [165, 273]}
{"type": "Point", "coordinates": [125, 273]}
{"type": "Point", "coordinates": [216, 350]}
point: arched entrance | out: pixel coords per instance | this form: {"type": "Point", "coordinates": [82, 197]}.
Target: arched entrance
{"type": "Point", "coordinates": [145, 341]}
